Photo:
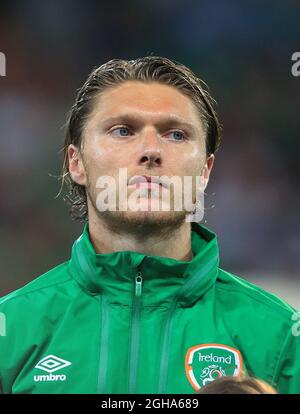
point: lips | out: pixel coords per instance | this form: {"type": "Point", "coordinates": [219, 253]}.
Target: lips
{"type": "Point", "coordinates": [145, 181]}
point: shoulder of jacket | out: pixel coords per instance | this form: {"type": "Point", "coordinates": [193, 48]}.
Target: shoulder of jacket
{"type": "Point", "coordinates": [53, 277]}
{"type": "Point", "coordinates": [253, 295]}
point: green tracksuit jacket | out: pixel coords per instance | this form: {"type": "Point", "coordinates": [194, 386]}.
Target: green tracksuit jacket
{"type": "Point", "coordinates": [130, 323]}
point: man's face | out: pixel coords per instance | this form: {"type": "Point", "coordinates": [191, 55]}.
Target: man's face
{"type": "Point", "coordinates": [150, 129]}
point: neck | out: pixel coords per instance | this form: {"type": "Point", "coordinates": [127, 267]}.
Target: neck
{"type": "Point", "coordinates": [175, 244]}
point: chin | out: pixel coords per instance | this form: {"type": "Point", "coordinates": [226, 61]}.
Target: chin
{"type": "Point", "coordinates": [143, 222]}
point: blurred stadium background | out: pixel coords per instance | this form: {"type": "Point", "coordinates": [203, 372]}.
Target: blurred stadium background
{"type": "Point", "coordinates": [242, 49]}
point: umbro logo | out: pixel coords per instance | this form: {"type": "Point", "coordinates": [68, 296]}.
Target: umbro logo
{"type": "Point", "coordinates": [50, 364]}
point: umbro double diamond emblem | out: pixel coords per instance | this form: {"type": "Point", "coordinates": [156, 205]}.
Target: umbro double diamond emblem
{"type": "Point", "coordinates": [50, 364]}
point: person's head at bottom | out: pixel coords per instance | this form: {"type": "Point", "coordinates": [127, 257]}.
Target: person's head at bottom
{"type": "Point", "coordinates": [237, 385]}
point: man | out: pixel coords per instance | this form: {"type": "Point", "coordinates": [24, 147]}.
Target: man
{"type": "Point", "coordinates": [142, 305]}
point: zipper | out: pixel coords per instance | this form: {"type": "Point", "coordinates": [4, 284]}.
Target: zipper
{"type": "Point", "coordinates": [103, 355]}
{"type": "Point", "coordinates": [135, 332]}
{"type": "Point", "coordinates": [138, 284]}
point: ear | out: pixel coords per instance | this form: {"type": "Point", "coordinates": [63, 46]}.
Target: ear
{"type": "Point", "coordinates": [76, 166]}
{"type": "Point", "coordinates": [207, 169]}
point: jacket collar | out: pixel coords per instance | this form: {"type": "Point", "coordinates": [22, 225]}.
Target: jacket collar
{"type": "Point", "coordinates": [164, 280]}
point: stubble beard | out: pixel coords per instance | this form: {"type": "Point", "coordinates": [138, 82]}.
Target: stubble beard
{"type": "Point", "coordinates": [140, 224]}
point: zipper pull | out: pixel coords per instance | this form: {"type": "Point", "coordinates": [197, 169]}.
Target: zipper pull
{"type": "Point", "coordinates": [138, 284]}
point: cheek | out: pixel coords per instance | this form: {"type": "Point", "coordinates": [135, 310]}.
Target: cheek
{"type": "Point", "coordinates": [109, 154]}
{"type": "Point", "coordinates": [189, 162]}
{"type": "Point", "coordinates": [101, 158]}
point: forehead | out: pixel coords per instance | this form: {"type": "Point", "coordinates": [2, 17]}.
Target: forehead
{"type": "Point", "coordinates": [146, 98]}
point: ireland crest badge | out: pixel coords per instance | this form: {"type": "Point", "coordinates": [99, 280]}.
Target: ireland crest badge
{"type": "Point", "coordinates": [207, 362]}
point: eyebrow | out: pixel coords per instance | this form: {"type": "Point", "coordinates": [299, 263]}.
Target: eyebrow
{"type": "Point", "coordinates": [166, 122]}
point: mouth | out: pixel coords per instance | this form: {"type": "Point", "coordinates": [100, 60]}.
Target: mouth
{"type": "Point", "coordinates": [145, 181]}
{"type": "Point", "coordinates": [147, 186]}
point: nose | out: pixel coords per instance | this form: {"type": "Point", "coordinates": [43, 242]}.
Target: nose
{"type": "Point", "coordinates": [150, 153]}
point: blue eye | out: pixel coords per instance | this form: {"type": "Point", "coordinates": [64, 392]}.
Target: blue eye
{"type": "Point", "coordinates": [123, 132]}
{"type": "Point", "coordinates": [178, 135]}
